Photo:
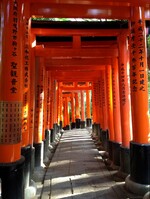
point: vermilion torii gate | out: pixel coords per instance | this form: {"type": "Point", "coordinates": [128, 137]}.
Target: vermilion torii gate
{"type": "Point", "coordinates": [32, 70]}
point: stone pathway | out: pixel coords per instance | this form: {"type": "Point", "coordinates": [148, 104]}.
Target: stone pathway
{"type": "Point", "coordinates": [77, 171]}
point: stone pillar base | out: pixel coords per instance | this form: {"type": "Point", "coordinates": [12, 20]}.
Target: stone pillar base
{"type": "Point", "coordinates": [39, 149]}
{"type": "Point", "coordinates": [73, 125]}
{"type": "Point", "coordinates": [116, 153]}
{"type": "Point", "coordinates": [26, 152]}
{"type": "Point", "coordinates": [78, 123]}
{"type": "Point", "coordinates": [124, 160]}
{"type": "Point", "coordinates": [139, 189]}
{"type": "Point", "coordinates": [82, 124]}
{"type": "Point", "coordinates": [67, 127]}
{"type": "Point", "coordinates": [88, 122]}
{"type": "Point", "coordinates": [104, 139]}
{"type": "Point", "coordinates": [12, 179]}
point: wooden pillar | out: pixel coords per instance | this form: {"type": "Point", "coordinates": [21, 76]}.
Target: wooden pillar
{"type": "Point", "coordinates": [104, 132]}
{"type": "Point", "coordinates": [104, 100]}
{"type": "Point", "coordinates": [139, 147]}
{"type": "Point", "coordinates": [53, 109]}
{"type": "Point", "coordinates": [61, 110]}
{"type": "Point", "coordinates": [73, 124]}
{"type": "Point", "coordinates": [51, 101]}
{"type": "Point", "coordinates": [82, 110]}
{"type": "Point", "coordinates": [116, 113]}
{"type": "Point", "coordinates": [110, 110]}
{"type": "Point", "coordinates": [11, 162]}
{"type": "Point", "coordinates": [101, 117]}
{"type": "Point", "coordinates": [96, 111]}
{"type": "Point", "coordinates": [39, 105]}
{"type": "Point", "coordinates": [88, 109]}
{"type": "Point", "coordinates": [27, 114]}
{"type": "Point", "coordinates": [77, 108]}
{"type": "Point", "coordinates": [32, 92]}
{"type": "Point", "coordinates": [58, 103]}
{"type": "Point", "coordinates": [125, 103]}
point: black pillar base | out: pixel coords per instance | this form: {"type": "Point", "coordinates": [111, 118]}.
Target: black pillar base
{"type": "Point", "coordinates": [116, 153]}
{"type": "Point", "coordinates": [38, 154]}
{"type": "Point", "coordinates": [55, 130]}
{"type": "Point", "coordinates": [32, 160]}
{"type": "Point", "coordinates": [110, 150]}
{"type": "Point", "coordinates": [60, 124]}
{"type": "Point", "coordinates": [124, 160]}
{"type": "Point", "coordinates": [82, 124]}
{"type": "Point", "coordinates": [140, 163]}
{"type": "Point", "coordinates": [73, 125]}
{"type": "Point", "coordinates": [104, 139]}
{"type": "Point", "coordinates": [78, 123]}
{"type": "Point", "coordinates": [88, 122]}
{"type": "Point", "coordinates": [68, 127]}
{"type": "Point", "coordinates": [46, 141]}
{"type": "Point", "coordinates": [12, 178]}
{"type": "Point", "coordinates": [96, 130]}
{"type": "Point", "coordinates": [52, 136]}
{"type": "Point", "coordinates": [26, 152]}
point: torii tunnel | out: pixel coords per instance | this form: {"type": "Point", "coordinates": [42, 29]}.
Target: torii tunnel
{"type": "Point", "coordinates": [64, 75]}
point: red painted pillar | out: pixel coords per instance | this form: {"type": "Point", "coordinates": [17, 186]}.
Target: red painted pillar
{"type": "Point", "coordinates": [77, 108]}
{"type": "Point", "coordinates": [61, 110]}
{"type": "Point", "coordinates": [27, 114]}
{"type": "Point", "coordinates": [73, 123]}
{"type": "Point", "coordinates": [110, 110]}
{"type": "Point", "coordinates": [39, 105]}
{"type": "Point", "coordinates": [96, 111]}
{"type": "Point", "coordinates": [93, 104]}
{"type": "Point", "coordinates": [11, 162]}
{"type": "Point", "coordinates": [116, 113]}
{"type": "Point", "coordinates": [55, 125]}
{"type": "Point", "coordinates": [88, 108]}
{"type": "Point", "coordinates": [104, 100]}
{"type": "Point", "coordinates": [82, 110]}
{"type": "Point", "coordinates": [125, 103]}
{"type": "Point", "coordinates": [139, 147]}
{"type": "Point", "coordinates": [32, 93]}
{"type": "Point", "coordinates": [53, 108]}
{"type": "Point", "coordinates": [101, 116]}
{"type": "Point", "coordinates": [51, 101]}
{"type": "Point", "coordinates": [104, 132]}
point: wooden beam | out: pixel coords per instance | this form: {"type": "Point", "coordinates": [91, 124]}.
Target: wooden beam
{"type": "Point", "coordinates": [76, 76]}
{"type": "Point", "coordinates": [81, 32]}
{"type": "Point", "coordinates": [95, 9]}
{"type": "Point", "coordinates": [95, 2]}
{"type": "Point", "coordinates": [76, 53]}
{"type": "Point", "coordinates": [75, 68]}
{"type": "Point", "coordinates": [84, 44]}
{"type": "Point", "coordinates": [76, 88]}
{"type": "Point", "coordinates": [76, 63]}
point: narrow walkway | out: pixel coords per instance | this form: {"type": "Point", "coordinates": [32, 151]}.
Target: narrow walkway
{"type": "Point", "coordinates": [78, 171]}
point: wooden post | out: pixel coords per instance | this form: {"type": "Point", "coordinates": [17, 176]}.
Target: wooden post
{"type": "Point", "coordinates": [73, 124]}
{"type": "Point", "coordinates": [116, 113]}
{"type": "Point", "coordinates": [11, 162]}
{"type": "Point", "coordinates": [88, 109]}
{"type": "Point", "coordinates": [125, 103]}
{"type": "Point", "coordinates": [110, 110]}
{"type": "Point", "coordinates": [139, 147]}
{"type": "Point", "coordinates": [77, 108]}
{"type": "Point", "coordinates": [82, 110]}
{"type": "Point", "coordinates": [39, 105]}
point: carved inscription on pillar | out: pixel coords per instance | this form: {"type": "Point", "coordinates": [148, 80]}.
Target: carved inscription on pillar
{"type": "Point", "coordinates": [10, 122]}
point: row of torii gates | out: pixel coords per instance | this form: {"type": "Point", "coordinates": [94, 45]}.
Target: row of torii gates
{"type": "Point", "coordinates": [38, 79]}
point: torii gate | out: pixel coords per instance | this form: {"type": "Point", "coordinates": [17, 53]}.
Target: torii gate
{"type": "Point", "coordinates": [19, 76]}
